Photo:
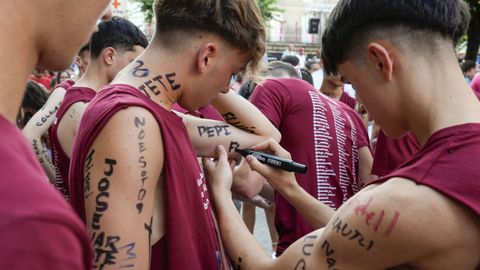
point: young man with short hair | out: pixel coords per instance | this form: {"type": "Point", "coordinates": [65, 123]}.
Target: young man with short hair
{"type": "Point", "coordinates": [134, 175]}
{"type": "Point", "coordinates": [321, 133]}
{"type": "Point", "coordinates": [399, 56]}
{"type": "Point", "coordinates": [42, 120]}
{"type": "Point", "coordinates": [116, 43]}
{"type": "Point", "coordinates": [37, 227]}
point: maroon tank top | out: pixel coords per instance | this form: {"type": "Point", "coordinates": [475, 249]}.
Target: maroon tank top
{"type": "Point", "coordinates": [447, 163]}
{"type": "Point", "coordinates": [191, 239]}
{"type": "Point", "coordinates": [391, 153]}
{"type": "Point", "coordinates": [60, 159]}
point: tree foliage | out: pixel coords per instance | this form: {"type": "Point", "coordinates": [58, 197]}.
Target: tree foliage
{"type": "Point", "coordinates": [473, 30]}
{"type": "Point", "coordinates": [267, 8]}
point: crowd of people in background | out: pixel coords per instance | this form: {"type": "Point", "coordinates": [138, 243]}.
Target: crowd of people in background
{"type": "Point", "coordinates": [130, 156]}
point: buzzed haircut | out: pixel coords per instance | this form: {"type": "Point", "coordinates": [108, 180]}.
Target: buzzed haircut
{"type": "Point", "coordinates": [277, 69]}
{"type": "Point", "coordinates": [407, 22]}
{"type": "Point", "coordinates": [238, 23]}
{"type": "Point", "coordinates": [118, 33]}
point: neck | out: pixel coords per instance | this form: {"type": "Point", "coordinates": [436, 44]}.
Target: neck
{"type": "Point", "coordinates": [440, 98]}
{"type": "Point", "coordinates": [18, 58]}
{"type": "Point", "coordinates": [161, 81]}
{"type": "Point", "coordinates": [94, 78]}
{"type": "Point", "coordinates": [333, 92]}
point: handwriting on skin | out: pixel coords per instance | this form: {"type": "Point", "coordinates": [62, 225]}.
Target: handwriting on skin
{"type": "Point", "coordinates": [108, 253]}
{"type": "Point", "coordinates": [329, 253]}
{"type": "Point", "coordinates": [139, 124]}
{"type": "Point", "coordinates": [103, 193]}
{"type": "Point", "coordinates": [233, 146]}
{"type": "Point", "coordinates": [232, 119]}
{"type": "Point", "coordinates": [47, 116]}
{"type": "Point", "coordinates": [307, 247]}
{"type": "Point", "coordinates": [86, 174]}
{"type": "Point", "coordinates": [375, 219]}
{"type": "Point", "coordinates": [343, 229]}
{"type": "Point", "coordinates": [212, 131]}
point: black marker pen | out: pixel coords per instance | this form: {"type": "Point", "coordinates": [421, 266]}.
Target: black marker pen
{"type": "Point", "coordinates": [284, 164]}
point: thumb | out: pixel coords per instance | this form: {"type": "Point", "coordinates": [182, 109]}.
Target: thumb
{"type": "Point", "coordinates": [208, 164]}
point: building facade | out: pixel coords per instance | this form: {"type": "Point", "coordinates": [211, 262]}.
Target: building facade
{"type": "Point", "coordinates": [290, 24]}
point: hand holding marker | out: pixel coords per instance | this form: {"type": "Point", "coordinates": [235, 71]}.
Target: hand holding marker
{"type": "Point", "coordinates": [284, 164]}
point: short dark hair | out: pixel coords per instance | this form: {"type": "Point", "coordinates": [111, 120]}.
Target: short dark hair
{"type": "Point", "coordinates": [306, 76]}
{"type": "Point", "coordinates": [309, 65]}
{"type": "Point", "coordinates": [85, 48]}
{"type": "Point", "coordinates": [117, 33]}
{"type": "Point", "coordinates": [276, 68]}
{"type": "Point", "coordinates": [291, 59]}
{"type": "Point", "coordinates": [467, 65]}
{"type": "Point", "coordinates": [239, 23]}
{"type": "Point", "coordinates": [418, 22]}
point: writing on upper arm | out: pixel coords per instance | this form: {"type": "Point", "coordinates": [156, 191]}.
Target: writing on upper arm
{"type": "Point", "coordinates": [307, 246]}
{"type": "Point", "coordinates": [232, 119]}
{"type": "Point", "coordinates": [47, 116]}
{"type": "Point", "coordinates": [140, 122]}
{"type": "Point", "coordinates": [375, 219]}
{"type": "Point", "coordinates": [105, 246]}
{"type": "Point", "coordinates": [233, 146]}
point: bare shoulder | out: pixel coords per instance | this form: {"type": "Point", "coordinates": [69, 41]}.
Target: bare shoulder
{"type": "Point", "coordinates": [401, 223]}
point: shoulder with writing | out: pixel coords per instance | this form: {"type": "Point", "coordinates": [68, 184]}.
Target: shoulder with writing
{"type": "Point", "coordinates": [401, 223]}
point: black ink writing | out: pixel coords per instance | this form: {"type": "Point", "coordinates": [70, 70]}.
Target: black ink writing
{"type": "Point", "coordinates": [329, 252]}
{"type": "Point", "coordinates": [301, 265]}
{"type": "Point", "coordinates": [140, 122]}
{"type": "Point", "coordinates": [232, 119]}
{"type": "Point", "coordinates": [171, 80]}
{"type": "Point", "coordinates": [214, 130]}
{"type": "Point", "coordinates": [343, 229]}
{"type": "Point", "coordinates": [103, 193]}
{"type": "Point", "coordinates": [157, 85]}
{"type": "Point", "coordinates": [86, 174]}
{"type": "Point", "coordinates": [309, 242]}
{"type": "Point", "coordinates": [148, 228]}
{"type": "Point", "coordinates": [47, 116]}
{"type": "Point", "coordinates": [105, 248]}
{"type": "Point", "coordinates": [139, 70]}
{"type": "Point", "coordinates": [233, 146]}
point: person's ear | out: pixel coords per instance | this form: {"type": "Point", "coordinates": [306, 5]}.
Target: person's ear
{"type": "Point", "coordinates": [109, 54]}
{"type": "Point", "coordinates": [382, 59]}
{"type": "Point", "coordinates": [205, 56]}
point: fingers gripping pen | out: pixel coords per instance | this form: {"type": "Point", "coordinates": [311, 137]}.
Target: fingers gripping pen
{"type": "Point", "coordinates": [284, 164]}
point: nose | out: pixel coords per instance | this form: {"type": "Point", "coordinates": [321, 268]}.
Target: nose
{"type": "Point", "coordinates": [107, 14]}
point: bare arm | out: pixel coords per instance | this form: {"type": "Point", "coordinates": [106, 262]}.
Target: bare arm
{"type": "Point", "coordinates": [365, 161]}
{"type": "Point", "coordinates": [316, 213]}
{"type": "Point", "coordinates": [124, 179]}
{"type": "Point", "coordinates": [379, 228]}
{"type": "Point", "coordinates": [39, 125]}
{"type": "Point", "coordinates": [245, 126]}
{"type": "Point", "coordinates": [68, 126]}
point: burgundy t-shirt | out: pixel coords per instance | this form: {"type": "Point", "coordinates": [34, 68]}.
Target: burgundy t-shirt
{"type": "Point", "coordinates": [447, 163]}
{"type": "Point", "coordinates": [207, 112]}
{"type": "Point", "coordinates": [318, 132]}
{"type": "Point", "coordinates": [191, 239]}
{"type": "Point", "coordinates": [60, 159]}
{"type": "Point", "coordinates": [347, 99]}
{"type": "Point", "coordinates": [38, 229]}
{"type": "Point", "coordinates": [391, 153]}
